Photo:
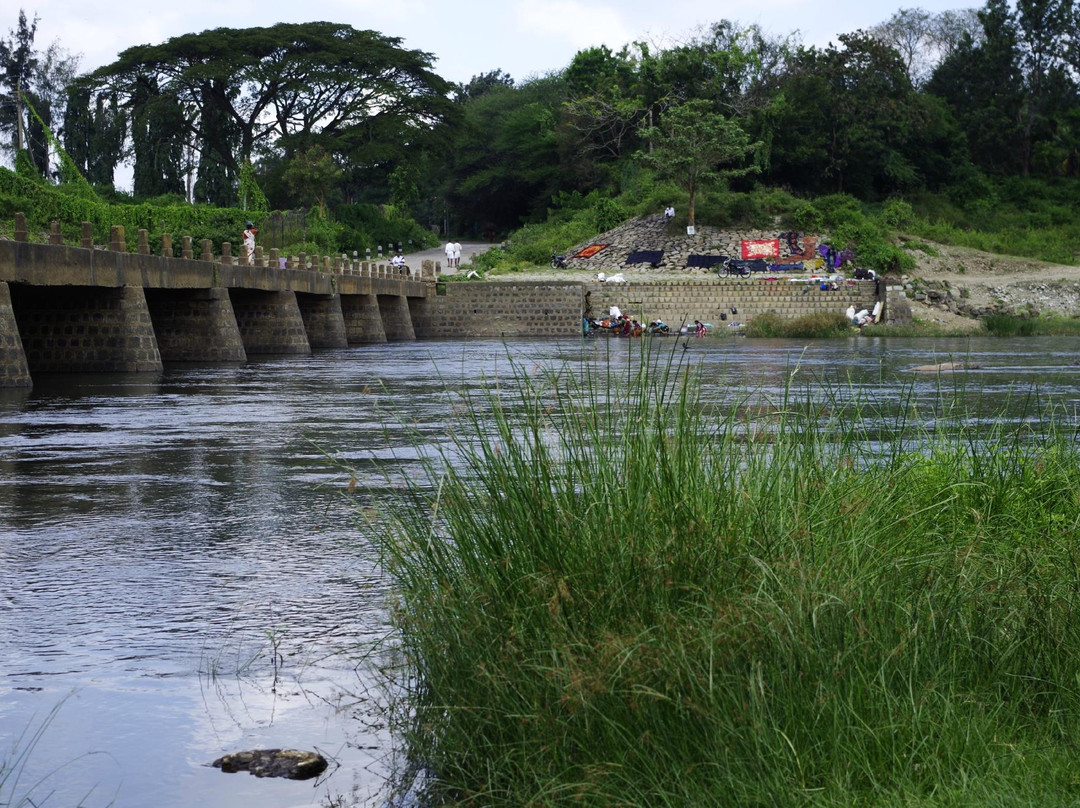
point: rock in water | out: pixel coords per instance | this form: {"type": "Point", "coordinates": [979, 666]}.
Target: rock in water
{"type": "Point", "coordinates": [944, 367]}
{"type": "Point", "coordinates": [290, 763]}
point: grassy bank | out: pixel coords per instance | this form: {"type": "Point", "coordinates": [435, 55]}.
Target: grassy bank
{"type": "Point", "coordinates": [630, 598]}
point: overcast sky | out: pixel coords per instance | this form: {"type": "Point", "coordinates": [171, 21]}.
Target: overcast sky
{"type": "Point", "coordinates": [467, 37]}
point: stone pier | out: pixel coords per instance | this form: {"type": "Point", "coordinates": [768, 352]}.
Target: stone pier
{"type": "Point", "coordinates": [14, 371]}
{"type": "Point", "coordinates": [363, 322]}
{"type": "Point", "coordinates": [396, 320]}
{"type": "Point", "coordinates": [85, 329]}
{"type": "Point", "coordinates": [196, 325]}
{"type": "Point", "coordinates": [270, 322]}
{"type": "Point", "coordinates": [323, 320]}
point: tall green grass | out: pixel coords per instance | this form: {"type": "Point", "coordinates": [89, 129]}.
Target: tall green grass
{"type": "Point", "coordinates": [611, 592]}
{"type": "Point", "coordinates": [819, 325]}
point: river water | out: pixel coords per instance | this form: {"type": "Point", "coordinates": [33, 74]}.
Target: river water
{"type": "Point", "coordinates": [181, 577]}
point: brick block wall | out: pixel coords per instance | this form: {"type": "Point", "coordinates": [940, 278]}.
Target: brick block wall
{"type": "Point", "coordinates": [712, 302]}
{"type": "Point", "coordinates": [495, 309]}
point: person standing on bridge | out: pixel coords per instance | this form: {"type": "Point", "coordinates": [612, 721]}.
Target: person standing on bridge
{"type": "Point", "coordinates": [249, 244]}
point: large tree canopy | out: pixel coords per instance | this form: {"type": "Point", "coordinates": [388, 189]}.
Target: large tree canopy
{"type": "Point", "coordinates": [255, 91]}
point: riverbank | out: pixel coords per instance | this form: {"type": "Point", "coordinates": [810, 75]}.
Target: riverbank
{"type": "Point", "coordinates": [950, 289]}
{"type": "Point", "coordinates": [695, 616]}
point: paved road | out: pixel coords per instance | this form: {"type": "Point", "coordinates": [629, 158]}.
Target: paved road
{"type": "Point", "coordinates": [468, 250]}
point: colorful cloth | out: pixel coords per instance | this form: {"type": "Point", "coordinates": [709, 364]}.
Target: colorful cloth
{"type": "Point", "coordinates": [590, 251]}
{"type": "Point", "coordinates": [761, 248]}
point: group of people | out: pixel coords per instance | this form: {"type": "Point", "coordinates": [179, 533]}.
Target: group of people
{"type": "Point", "coordinates": [453, 255]}
{"type": "Point", "coordinates": [619, 325]}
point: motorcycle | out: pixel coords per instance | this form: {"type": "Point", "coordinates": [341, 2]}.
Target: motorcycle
{"type": "Point", "coordinates": [558, 261]}
{"type": "Point", "coordinates": [741, 268]}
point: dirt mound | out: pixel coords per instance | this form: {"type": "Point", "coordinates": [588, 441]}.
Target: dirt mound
{"type": "Point", "coordinates": [969, 283]}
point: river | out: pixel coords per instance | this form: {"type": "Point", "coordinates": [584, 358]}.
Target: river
{"type": "Point", "coordinates": [181, 577]}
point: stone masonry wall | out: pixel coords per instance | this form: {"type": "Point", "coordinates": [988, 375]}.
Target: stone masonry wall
{"type": "Point", "coordinates": [726, 301]}
{"type": "Point", "coordinates": [499, 308]}
{"type": "Point", "coordinates": [13, 369]}
{"type": "Point", "coordinates": [86, 330]}
{"type": "Point", "coordinates": [654, 233]}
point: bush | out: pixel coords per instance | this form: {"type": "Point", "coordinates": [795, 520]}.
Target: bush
{"type": "Point", "coordinates": [897, 214]}
{"type": "Point", "coordinates": [808, 218]}
{"type": "Point", "coordinates": [822, 325]}
{"type": "Point", "coordinates": [618, 594]}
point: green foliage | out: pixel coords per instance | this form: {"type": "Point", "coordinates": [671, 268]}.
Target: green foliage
{"type": "Point", "coordinates": [351, 92]}
{"type": "Point", "coordinates": [251, 196]}
{"type": "Point", "coordinates": [695, 146]}
{"type": "Point", "coordinates": [25, 168]}
{"type": "Point", "coordinates": [607, 214]}
{"type": "Point", "coordinates": [1010, 325]}
{"type": "Point", "coordinates": [358, 227]}
{"type": "Point", "coordinates": [850, 226]}
{"type": "Point", "coordinates": [809, 326]}
{"type": "Point", "coordinates": [322, 235]}
{"type": "Point", "coordinates": [808, 218]}
{"type": "Point", "coordinates": [1032, 218]}
{"type": "Point", "coordinates": [368, 226]}
{"type": "Point", "coordinates": [897, 214]}
{"type": "Point", "coordinates": [631, 597]}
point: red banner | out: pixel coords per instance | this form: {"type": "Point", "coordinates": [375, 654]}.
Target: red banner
{"type": "Point", "coordinates": [761, 248]}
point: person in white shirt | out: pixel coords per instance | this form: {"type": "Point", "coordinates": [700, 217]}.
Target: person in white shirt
{"type": "Point", "coordinates": [449, 254]}
{"type": "Point", "coordinates": [457, 255]}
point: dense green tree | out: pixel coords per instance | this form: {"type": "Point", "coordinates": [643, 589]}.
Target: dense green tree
{"type": "Point", "coordinates": [603, 110]}
{"type": "Point", "coordinates": [982, 84]}
{"type": "Point", "coordinates": [313, 174]}
{"type": "Point", "coordinates": [846, 121]}
{"type": "Point", "coordinates": [157, 120]}
{"type": "Point", "coordinates": [251, 91]}
{"type": "Point", "coordinates": [694, 146]}
{"type": "Point", "coordinates": [33, 92]}
{"type": "Point", "coordinates": [505, 156]}
{"type": "Point", "coordinates": [1047, 30]}
{"type": "Point", "coordinates": [18, 60]}
{"type": "Point", "coordinates": [1013, 88]}
{"type": "Point", "coordinates": [478, 85]}
{"type": "Point", "coordinates": [93, 133]}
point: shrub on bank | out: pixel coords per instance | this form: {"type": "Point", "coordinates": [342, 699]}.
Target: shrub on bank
{"type": "Point", "coordinates": [611, 593]}
{"type": "Point", "coordinates": [821, 325]}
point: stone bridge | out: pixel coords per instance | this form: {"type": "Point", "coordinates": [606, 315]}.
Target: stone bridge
{"type": "Point", "coordinates": [94, 308]}
{"type": "Point", "coordinates": [89, 309]}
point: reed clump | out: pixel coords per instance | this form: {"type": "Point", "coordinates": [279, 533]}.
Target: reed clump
{"type": "Point", "coordinates": [820, 325]}
{"type": "Point", "coordinates": [614, 594]}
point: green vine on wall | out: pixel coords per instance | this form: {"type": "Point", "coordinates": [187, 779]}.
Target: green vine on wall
{"type": "Point", "coordinates": [251, 196]}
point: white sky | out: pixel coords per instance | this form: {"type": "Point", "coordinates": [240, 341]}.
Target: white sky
{"type": "Point", "coordinates": [522, 37]}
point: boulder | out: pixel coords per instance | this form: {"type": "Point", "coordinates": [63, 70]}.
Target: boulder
{"type": "Point", "coordinates": [289, 763]}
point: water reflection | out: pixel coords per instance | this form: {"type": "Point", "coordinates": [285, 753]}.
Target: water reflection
{"type": "Point", "coordinates": [175, 553]}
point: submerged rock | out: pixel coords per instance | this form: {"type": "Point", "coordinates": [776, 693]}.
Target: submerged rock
{"type": "Point", "coordinates": [289, 763]}
{"type": "Point", "coordinates": [944, 367]}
